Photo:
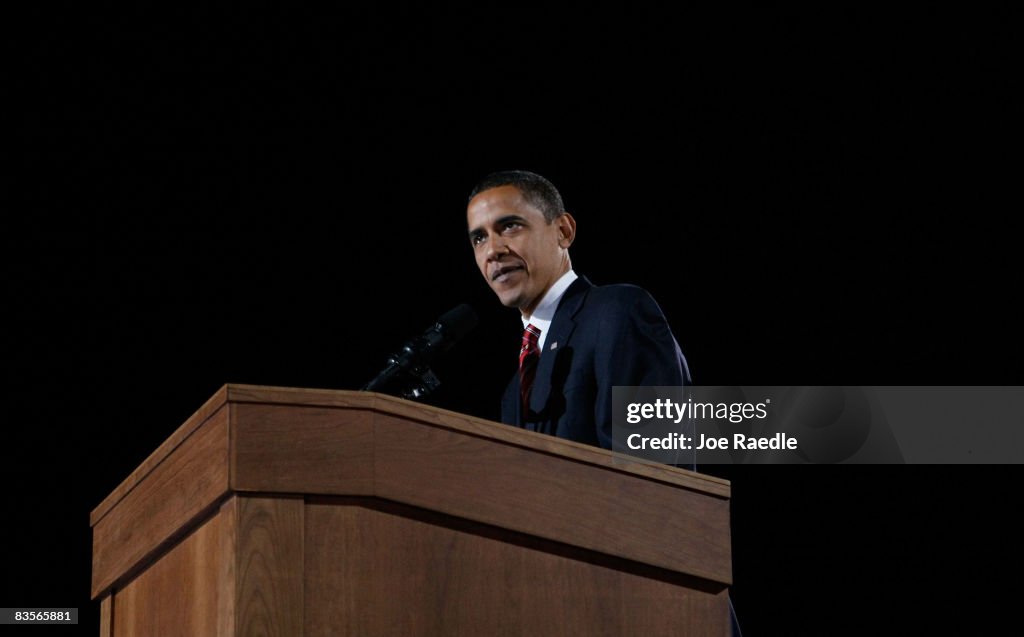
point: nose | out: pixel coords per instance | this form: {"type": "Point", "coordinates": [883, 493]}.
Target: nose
{"type": "Point", "coordinates": [496, 248]}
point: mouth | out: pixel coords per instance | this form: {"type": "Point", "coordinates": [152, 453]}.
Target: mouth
{"type": "Point", "coordinates": [504, 273]}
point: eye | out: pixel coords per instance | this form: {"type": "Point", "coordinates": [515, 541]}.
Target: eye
{"type": "Point", "coordinates": [476, 239]}
{"type": "Point", "coordinates": [513, 225]}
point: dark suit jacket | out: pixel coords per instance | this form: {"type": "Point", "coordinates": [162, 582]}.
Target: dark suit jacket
{"type": "Point", "coordinates": [600, 336]}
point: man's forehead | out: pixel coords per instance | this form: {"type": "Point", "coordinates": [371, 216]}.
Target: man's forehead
{"type": "Point", "coordinates": [496, 203]}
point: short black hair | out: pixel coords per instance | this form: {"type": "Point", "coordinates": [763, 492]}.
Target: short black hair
{"type": "Point", "coordinates": [539, 192]}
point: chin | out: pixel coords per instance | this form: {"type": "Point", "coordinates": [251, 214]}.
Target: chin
{"type": "Point", "coordinates": [510, 302]}
{"type": "Point", "coordinates": [509, 299]}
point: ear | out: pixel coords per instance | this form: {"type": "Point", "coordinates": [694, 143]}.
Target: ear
{"type": "Point", "coordinates": [566, 230]}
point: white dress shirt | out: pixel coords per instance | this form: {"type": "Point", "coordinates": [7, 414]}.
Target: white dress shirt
{"type": "Point", "coordinates": [545, 311]}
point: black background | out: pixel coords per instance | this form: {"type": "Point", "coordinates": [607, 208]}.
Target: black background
{"type": "Point", "coordinates": [211, 195]}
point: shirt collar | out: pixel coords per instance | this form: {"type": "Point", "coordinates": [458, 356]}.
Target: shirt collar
{"type": "Point", "coordinates": [545, 312]}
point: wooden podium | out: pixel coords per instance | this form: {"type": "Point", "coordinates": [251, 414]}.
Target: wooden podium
{"type": "Point", "coordinates": [298, 512]}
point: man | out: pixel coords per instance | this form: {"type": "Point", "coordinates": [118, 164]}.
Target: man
{"type": "Point", "coordinates": [580, 340]}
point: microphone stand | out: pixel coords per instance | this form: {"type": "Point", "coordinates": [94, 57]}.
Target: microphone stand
{"type": "Point", "coordinates": [410, 364]}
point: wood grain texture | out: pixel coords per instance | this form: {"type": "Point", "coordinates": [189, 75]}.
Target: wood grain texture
{"type": "Point", "coordinates": [107, 616]}
{"type": "Point", "coordinates": [208, 410]}
{"type": "Point", "coordinates": [413, 507]}
{"type": "Point", "coordinates": [426, 414]}
{"type": "Point", "coordinates": [624, 515]}
{"type": "Point", "coordinates": [173, 494]}
{"type": "Point", "coordinates": [226, 564]}
{"type": "Point", "coordinates": [295, 449]}
{"type": "Point", "coordinates": [270, 566]}
{"type": "Point", "coordinates": [182, 593]}
{"type": "Point", "coordinates": [543, 443]}
{"type": "Point", "coordinates": [270, 395]}
{"type": "Point", "coordinates": [380, 571]}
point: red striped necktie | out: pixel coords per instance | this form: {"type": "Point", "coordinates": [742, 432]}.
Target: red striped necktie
{"type": "Point", "coordinates": [529, 354]}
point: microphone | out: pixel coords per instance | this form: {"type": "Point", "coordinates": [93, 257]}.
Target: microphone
{"type": "Point", "coordinates": [413, 360]}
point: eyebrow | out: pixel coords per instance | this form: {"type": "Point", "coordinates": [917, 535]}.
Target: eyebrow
{"type": "Point", "coordinates": [499, 221]}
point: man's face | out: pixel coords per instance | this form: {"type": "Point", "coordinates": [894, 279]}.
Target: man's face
{"type": "Point", "coordinates": [519, 253]}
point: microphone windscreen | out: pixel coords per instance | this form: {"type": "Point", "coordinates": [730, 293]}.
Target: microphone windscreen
{"type": "Point", "coordinates": [459, 321]}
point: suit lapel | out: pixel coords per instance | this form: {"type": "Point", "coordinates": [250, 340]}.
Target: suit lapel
{"type": "Point", "coordinates": [562, 325]}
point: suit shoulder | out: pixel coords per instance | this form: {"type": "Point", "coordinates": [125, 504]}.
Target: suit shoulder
{"type": "Point", "coordinates": [618, 294]}
{"type": "Point", "coordinates": [616, 302]}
